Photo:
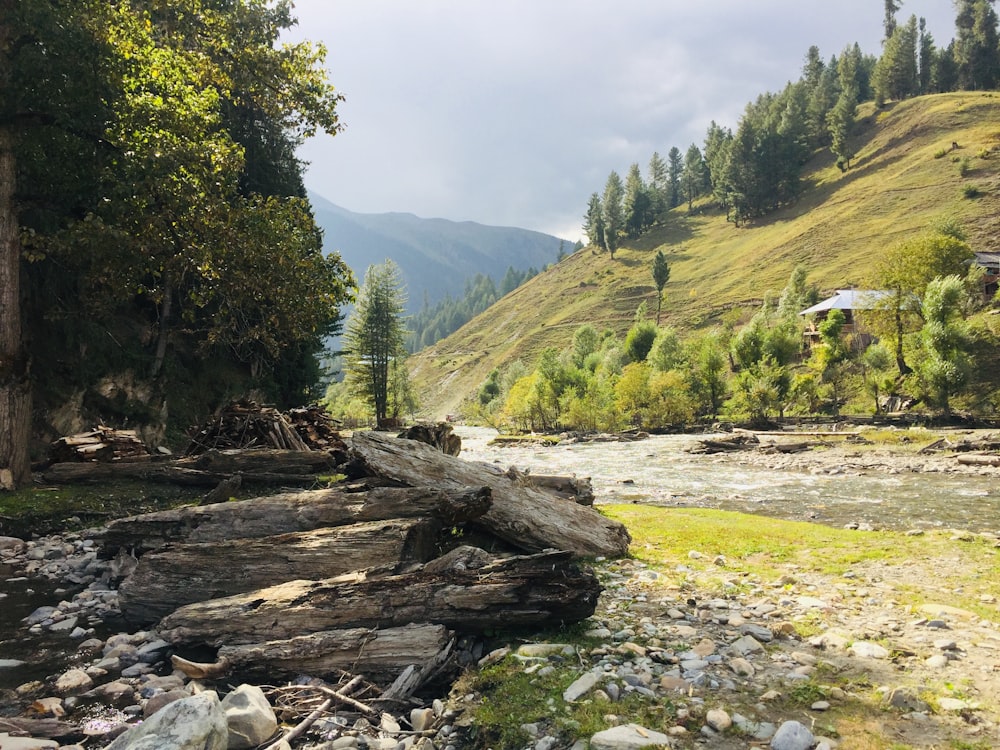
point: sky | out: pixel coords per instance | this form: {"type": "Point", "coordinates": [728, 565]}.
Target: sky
{"type": "Point", "coordinates": [512, 112]}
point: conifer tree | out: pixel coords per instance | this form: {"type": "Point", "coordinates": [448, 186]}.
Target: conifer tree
{"type": "Point", "coordinates": [977, 51]}
{"type": "Point", "coordinates": [614, 213]}
{"type": "Point", "coordinates": [661, 274]}
{"type": "Point", "coordinates": [636, 203]}
{"type": "Point", "coordinates": [593, 224]}
{"type": "Point", "coordinates": [675, 166]}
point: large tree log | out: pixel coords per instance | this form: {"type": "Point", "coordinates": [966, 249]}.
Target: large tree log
{"type": "Point", "coordinates": [185, 573]}
{"type": "Point", "coordinates": [206, 470]}
{"type": "Point", "coordinates": [527, 517]}
{"type": "Point", "coordinates": [530, 590]}
{"type": "Point", "coordinates": [288, 512]}
{"type": "Point", "coordinates": [378, 654]}
{"type": "Point", "coordinates": [979, 460]}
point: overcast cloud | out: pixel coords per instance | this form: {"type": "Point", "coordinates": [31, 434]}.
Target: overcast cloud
{"type": "Point", "coordinates": [512, 113]}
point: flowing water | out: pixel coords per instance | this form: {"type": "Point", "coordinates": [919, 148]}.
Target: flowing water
{"type": "Point", "coordinates": [659, 471]}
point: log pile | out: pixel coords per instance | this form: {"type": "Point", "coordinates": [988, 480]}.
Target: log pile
{"type": "Point", "coordinates": [101, 444]}
{"type": "Point", "coordinates": [247, 424]}
{"type": "Point", "coordinates": [366, 576]}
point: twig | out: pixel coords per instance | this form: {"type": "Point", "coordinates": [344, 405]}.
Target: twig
{"type": "Point", "coordinates": [299, 729]}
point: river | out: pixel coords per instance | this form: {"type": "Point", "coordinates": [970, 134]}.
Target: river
{"type": "Point", "coordinates": [660, 471]}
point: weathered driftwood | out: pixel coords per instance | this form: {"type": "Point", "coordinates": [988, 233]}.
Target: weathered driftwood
{"type": "Point", "coordinates": [526, 517]}
{"type": "Point", "coordinates": [206, 470]}
{"type": "Point", "coordinates": [737, 442]}
{"type": "Point", "coordinates": [529, 590]}
{"type": "Point", "coordinates": [37, 727]}
{"type": "Point", "coordinates": [440, 436]}
{"type": "Point", "coordinates": [381, 655]}
{"type": "Point", "coordinates": [979, 460]}
{"type": "Point", "coordinates": [579, 491]}
{"type": "Point", "coordinates": [287, 512]}
{"type": "Point", "coordinates": [797, 447]}
{"type": "Point", "coordinates": [185, 573]}
{"type": "Point", "coordinates": [101, 444]}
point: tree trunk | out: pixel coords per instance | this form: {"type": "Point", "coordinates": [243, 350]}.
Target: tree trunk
{"type": "Point", "coordinates": [187, 573]}
{"type": "Point", "coordinates": [289, 512]}
{"type": "Point", "coordinates": [378, 654]}
{"type": "Point", "coordinates": [163, 330]}
{"type": "Point", "coordinates": [526, 517]}
{"type": "Point", "coordinates": [15, 384]}
{"type": "Point", "coordinates": [533, 590]}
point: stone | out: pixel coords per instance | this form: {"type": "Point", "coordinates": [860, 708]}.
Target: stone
{"type": "Point", "coordinates": [543, 649]}
{"type": "Point", "coordinates": [792, 735]}
{"type": "Point", "coordinates": [627, 737]}
{"type": "Point", "coordinates": [758, 730]}
{"type": "Point", "coordinates": [936, 610]}
{"type": "Point", "coordinates": [25, 743]}
{"type": "Point", "coordinates": [250, 718]}
{"type": "Point", "coordinates": [421, 719]}
{"type": "Point", "coordinates": [762, 634]}
{"type": "Point", "coordinates": [160, 700]}
{"type": "Point", "coordinates": [580, 687]}
{"type": "Point", "coordinates": [868, 650]}
{"type": "Point", "coordinates": [73, 682]}
{"type": "Point", "coordinates": [718, 720]}
{"type": "Point", "coordinates": [820, 706]}
{"type": "Point", "coordinates": [742, 667]}
{"type": "Point", "coordinates": [193, 723]}
{"type": "Point", "coordinates": [953, 704]}
{"type": "Point", "coordinates": [746, 645]}
{"type": "Point", "coordinates": [938, 661]}
{"type": "Point", "coordinates": [906, 699]}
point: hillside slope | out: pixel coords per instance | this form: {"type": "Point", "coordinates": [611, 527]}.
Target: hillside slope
{"type": "Point", "coordinates": [435, 256]}
{"type": "Point", "coordinates": [905, 176]}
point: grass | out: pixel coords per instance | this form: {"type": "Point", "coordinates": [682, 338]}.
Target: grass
{"type": "Point", "coordinates": [897, 187]}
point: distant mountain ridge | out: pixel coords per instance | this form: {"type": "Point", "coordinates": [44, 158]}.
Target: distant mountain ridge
{"type": "Point", "coordinates": [436, 256]}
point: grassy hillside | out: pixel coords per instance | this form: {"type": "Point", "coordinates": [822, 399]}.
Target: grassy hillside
{"type": "Point", "coordinates": [905, 176]}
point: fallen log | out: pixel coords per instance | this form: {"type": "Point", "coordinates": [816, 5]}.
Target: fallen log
{"type": "Point", "coordinates": [185, 573]}
{"type": "Point", "coordinates": [579, 491]}
{"type": "Point", "coordinates": [294, 511]}
{"type": "Point", "coordinates": [524, 516]}
{"type": "Point", "coordinates": [979, 460]}
{"type": "Point", "coordinates": [50, 728]}
{"type": "Point", "coordinates": [530, 590]}
{"type": "Point", "coordinates": [206, 470]}
{"type": "Point", "coordinates": [381, 655]}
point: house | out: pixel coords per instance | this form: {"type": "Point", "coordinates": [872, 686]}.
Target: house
{"type": "Point", "coordinates": [990, 263]}
{"type": "Point", "coordinates": [848, 301]}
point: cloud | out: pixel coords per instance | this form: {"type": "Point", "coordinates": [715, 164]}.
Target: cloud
{"type": "Point", "coordinates": [513, 113]}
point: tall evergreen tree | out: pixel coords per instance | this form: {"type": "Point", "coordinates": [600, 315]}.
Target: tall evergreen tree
{"type": "Point", "coordinates": [657, 185]}
{"type": "Point", "coordinates": [661, 274]}
{"type": "Point", "coordinates": [925, 58]}
{"type": "Point", "coordinates": [895, 75]}
{"type": "Point", "coordinates": [718, 142]}
{"type": "Point", "coordinates": [693, 176]}
{"type": "Point", "coordinates": [675, 166]}
{"type": "Point", "coordinates": [944, 70]}
{"type": "Point", "coordinates": [977, 50]}
{"type": "Point", "coordinates": [637, 204]}
{"type": "Point", "coordinates": [375, 336]}
{"type": "Point", "coordinates": [889, 19]}
{"type": "Point", "coordinates": [842, 117]}
{"type": "Point", "coordinates": [593, 223]}
{"type": "Point", "coordinates": [614, 212]}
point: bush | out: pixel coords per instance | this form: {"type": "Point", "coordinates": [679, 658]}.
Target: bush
{"type": "Point", "coordinates": [971, 191]}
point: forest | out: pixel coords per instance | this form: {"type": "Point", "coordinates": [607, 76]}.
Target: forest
{"type": "Point", "coordinates": [153, 218]}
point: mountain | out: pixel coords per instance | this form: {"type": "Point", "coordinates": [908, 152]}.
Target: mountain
{"type": "Point", "coordinates": [435, 256]}
{"type": "Point", "coordinates": [906, 176]}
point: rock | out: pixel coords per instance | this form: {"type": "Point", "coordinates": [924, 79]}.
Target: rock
{"type": "Point", "coordinates": [906, 699]}
{"type": "Point", "coordinates": [250, 717]}
{"type": "Point", "coordinates": [792, 736]}
{"type": "Point", "coordinates": [73, 682]}
{"type": "Point", "coordinates": [746, 645]}
{"type": "Point", "coordinates": [160, 700]}
{"type": "Point", "coordinates": [10, 663]}
{"type": "Point", "coordinates": [953, 704]}
{"type": "Point", "coordinates": [194, 723]}
{"type": "Point", "coordinates": [718, 720]}
{"type": "Point", "coordinates": [868, 650]}
{"type": "Point", "coordinates": [25, 743]}
{"type": "Point", "coordinates": [627, 737]}
{"type": "Point", "coordinates": [742, 667]}
{"type": "Point", "coordinates": [762, 634]}
{"type": "Point", "coordinates": [758, 730]}
{"type": "Point", "coordinates": [938, 661]}
{"type": "Point", "coordinates": [542, 649]}
{"type": "Point", "coordinates": [421, 719]}
{"type": "Point", "coordinates": [580, 687]}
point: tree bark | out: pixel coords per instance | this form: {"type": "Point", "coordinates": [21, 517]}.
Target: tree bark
{"type": "Point", "coordinates": [378, 654]}
{"type": "Point", "coordinates": [15, 383]}
{"type": "Point", "coordinates": [288, 512]}
{"type": "Point", "coordinates": [526, 517]}
{"type": "Point", "coordinates": [187, 573]}
{"type": "Point", "coordinates": [205, 470]}
{"type": "Point", "coordinates": [533, 590]}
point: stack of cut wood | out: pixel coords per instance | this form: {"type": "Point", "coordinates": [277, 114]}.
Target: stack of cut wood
{"type": "Point", "coordinates": [364, 577]}
{"type": "Point", "coordinates": [101, 444]}
{"type": "Point", "coordinates": [316, 428]}
{"type": "Point", "coordinates": [245, 424]}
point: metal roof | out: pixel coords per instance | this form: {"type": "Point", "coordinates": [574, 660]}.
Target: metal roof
{"type": "Point", "coordinates": [848, 299]}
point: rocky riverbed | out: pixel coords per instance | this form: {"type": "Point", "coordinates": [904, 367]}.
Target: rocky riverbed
{"type": "Point", "coordinates": [721, 658]}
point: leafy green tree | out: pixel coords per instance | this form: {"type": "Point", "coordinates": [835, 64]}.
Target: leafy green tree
{"type": "Point", "coordinates": [904, 270]}
{"type": "Point", "coordinates": [593, 222]}
{"type": "Point", "coordinates": [667, 352]}
{"type": "Point", "coordinates": [614, 213]}
{"type": "Point", "coordinates": [661, 274]}
{"type": "Point", "coordinates": [946, 364]}
{"type": "Point", "coordinates": [877, 374]}
{"type": "Point", "coordinates": [708, 369]}
{"type": "Point", "coordinates": [829, 356]}
{"type": "Point", "coordinates": [585, 343]}
{"type": "Point", "coordinates": [977, 50]}
{"type": "Point", "coordinates": [375, 336]}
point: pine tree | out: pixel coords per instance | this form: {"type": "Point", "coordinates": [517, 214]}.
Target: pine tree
{"type": "Point", "coordinates": [614, 212]}
{"type": "Point", "coordinates": [925, 58]}
{"type": "Point", "coordinates": [693, 176]}
{"type": "Point", "coordinates": [661, 274]}
{"type": "Point", "coordinates": [889, 21]}
{"type": "Point", "coordinates": [657, 185]}
{"type": "Point", "coordinates": [375, 336]}
{"type": "Point", "coordinates": [977, 51]}
{"type": "Point", "coordinates": [636, 203]}
{"type": "Point", "coordinates": [675, 166]}
{"type": "Point", "coordinates": [593, 224]}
